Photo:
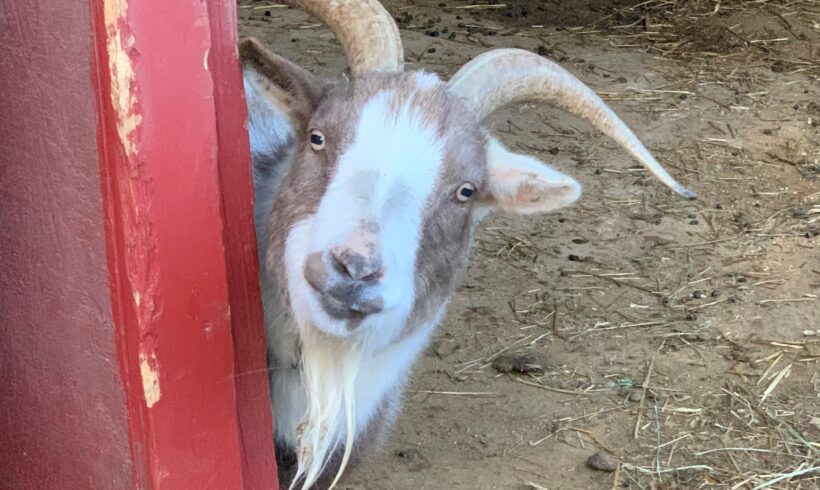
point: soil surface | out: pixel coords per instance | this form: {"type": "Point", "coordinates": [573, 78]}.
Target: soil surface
{"type": "Point", "coordinates": [677, 340]}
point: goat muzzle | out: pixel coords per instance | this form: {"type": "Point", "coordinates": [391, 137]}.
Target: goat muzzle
{"type": "Point", "coordinates": [346, 281]}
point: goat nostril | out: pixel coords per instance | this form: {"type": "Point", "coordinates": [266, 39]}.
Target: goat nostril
{"type": "Point", "coordinates": [356, 266]}
{"type": "Point", "coordinates": [337, 261]}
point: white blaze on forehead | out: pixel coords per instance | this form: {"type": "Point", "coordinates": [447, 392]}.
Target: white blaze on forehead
{"type": "Point", "coordinates": [385, 176]}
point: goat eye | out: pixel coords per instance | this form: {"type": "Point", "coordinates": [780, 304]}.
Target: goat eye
{"type": "Point", "coordinates": [465, 192]}
{"type": "Point", "coordinates": [317, 140]}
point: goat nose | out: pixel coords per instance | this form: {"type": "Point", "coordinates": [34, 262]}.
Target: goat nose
{"type": "Point", "coordinates": [357, 265]}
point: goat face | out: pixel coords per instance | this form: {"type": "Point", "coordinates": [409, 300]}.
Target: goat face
{"type": "Point", "coordinates": [376, 214]}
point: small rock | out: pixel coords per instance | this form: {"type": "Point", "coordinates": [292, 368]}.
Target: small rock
{"type": "Point", "coordinates": [443, 348]}
{"type": "Point", "coordinates": [602, 462]}
{"type": "Point", "coordinates": [520, 362]}
{"type": "Point", "coordinates": [699, 294]}
{"type": "Point", "coordinates": [779, 66]}
{"type": "Point", "coordinates": [408, 453]}
{"type": "Point", "coordinates": [694, 222]}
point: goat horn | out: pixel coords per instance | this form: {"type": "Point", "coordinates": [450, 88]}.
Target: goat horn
{"type": "Point", "coordinates": [504, 76]}
{"type": "Point", "coordinates": [366, 30]}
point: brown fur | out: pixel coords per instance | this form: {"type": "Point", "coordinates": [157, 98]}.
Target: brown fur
{"type": "Point", "coordinates": [291, 88]}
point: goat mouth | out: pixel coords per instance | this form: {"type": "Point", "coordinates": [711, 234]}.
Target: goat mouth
{"type": "Point", "coordinates": [349, 302]}
{"type": "Point", "coordinates": [339, 310]}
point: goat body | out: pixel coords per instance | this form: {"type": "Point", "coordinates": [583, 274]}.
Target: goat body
{"type": "Point", "coordinates": [368, 194]}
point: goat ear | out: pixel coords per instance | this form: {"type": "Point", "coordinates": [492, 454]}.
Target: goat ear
{"type": "Point", "coordinates": [523, 185]}
{"type": "Point", "coordinates": [281, 95]}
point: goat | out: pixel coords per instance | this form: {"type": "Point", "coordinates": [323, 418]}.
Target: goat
{"type": "Point", "coordinates": [368, 193]}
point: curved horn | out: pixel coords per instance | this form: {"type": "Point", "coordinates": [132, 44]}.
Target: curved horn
{"type": "Point", "coordinates": [504, 76]}
{"type": "Point", "coordinates": [366, 30]}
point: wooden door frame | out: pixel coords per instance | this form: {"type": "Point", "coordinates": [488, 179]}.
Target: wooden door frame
{"type": "Point", "coordinates": [181, 248]}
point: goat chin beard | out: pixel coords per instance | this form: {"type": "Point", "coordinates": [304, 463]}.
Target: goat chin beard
{"type": "Point", "coordinates": [329, 369]}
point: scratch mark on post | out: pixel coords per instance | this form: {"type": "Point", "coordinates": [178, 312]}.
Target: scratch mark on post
{"type": "Point", "coordinates": [149, 369]}
{"type": "Point", "coordinates": [122, 73]}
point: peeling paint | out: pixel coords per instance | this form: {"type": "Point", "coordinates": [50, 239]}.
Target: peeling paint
{"type": "Point", "coordinates": [122, 73]}
{"type": "Point", "coordinates": [137, 298]}
{"type": "Point", "coordinates": [150, 378]}
{"type": "Point", "coordinates": [205, 60]}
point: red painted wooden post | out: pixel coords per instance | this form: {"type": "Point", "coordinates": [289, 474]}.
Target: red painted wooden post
{"type": "Point", "coordinates": [63, 417]}
{"type": "Point", "coordinates": [131, 340]}
{"type": "Point", "coordinates": [181, 252]}
{"type": "Point", "coordinates": [251, 376]}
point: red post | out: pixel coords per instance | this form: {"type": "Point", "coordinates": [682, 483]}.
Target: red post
{"type": "Point", "coordinates": [181, 252]}
{"type": "Point", "coordinates": [251, 376]}
{"type": "Point", "coordinates": [63, 416]}
{"type": "Point", "coordinates": [131, 338]}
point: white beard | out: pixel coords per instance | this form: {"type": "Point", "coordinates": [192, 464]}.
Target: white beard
{"type": "Point", "coordinates": [339, 386]}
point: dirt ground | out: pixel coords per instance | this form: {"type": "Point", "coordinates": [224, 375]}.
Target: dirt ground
{"type": "Point", "coordinates": [679, 340]}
